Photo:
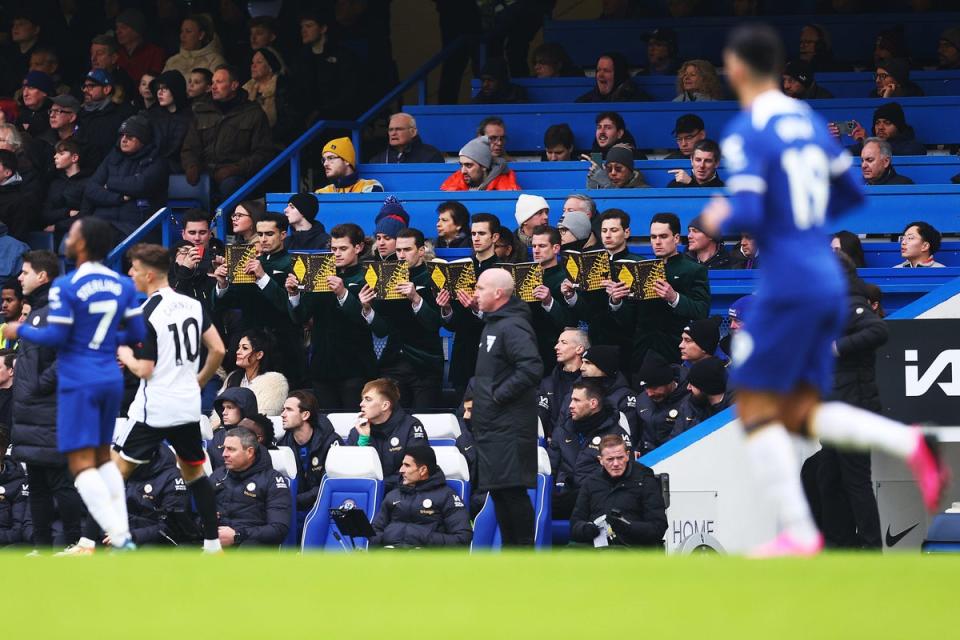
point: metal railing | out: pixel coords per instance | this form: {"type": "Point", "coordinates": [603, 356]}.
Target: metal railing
{"type": "Point", "coordinates": [115, 258]}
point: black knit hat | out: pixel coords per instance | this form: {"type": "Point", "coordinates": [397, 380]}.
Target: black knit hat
{"type": "Point", "coordinates": [606, 357]}
{"type": "Point", "coordinates": [138, 127]}
{"type": "Point", "coordinates": [706, 333]}
{"type": "Point", "coordinates": [306, 204]}
{"type": "Point", "coordinates": [800, 70]}
{"type": "Point", "coordinates": [893, 112]}
{"type": "Point", "coordinates": [655, 371]}
{"type": "Point", "coordinates": [709, 375]}
{"type": "Point", "coordinates": [273, 59]}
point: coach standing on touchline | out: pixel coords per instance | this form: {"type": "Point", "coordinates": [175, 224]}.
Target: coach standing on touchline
{"type": "Point", "coordinates": [505, 405]}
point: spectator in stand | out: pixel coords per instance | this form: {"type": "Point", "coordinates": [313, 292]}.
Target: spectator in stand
{"type": "Point", "coordinates": [610, 131]}
{"type": "Point", "coordinates": [481, 170]}
{"type": "Point", "coordinates": [170, 118]}
{"type": "Point", "coordinates": [154, 492]}
{"type": "Point", "coordinates": [662, 53]}
{"type": "Point", "coordinates": [849, 244]}
{"type": "Point", "coordinates": [576, 442]}
{"type": "Point", "coordinates": [555, 388]}
{"type": "Point", "coordinates": [38, 88]}
{"type": "Point", "coordinates": [25, 29]}
{"type": "Point", "coordinates": [948, 49]}
{"type": "Point", "coordinates": [131, 183]}
{"type": "Point", "coordinates": [918, 244]}
{"type": "Point", "coordinates": [244, 220]}
{"type": "Point", "coordinates": [582, 203]}
{"type": "Point", "coordinates": [256, 370]}
{"type": "Point", "coordinates": [558, 143]}
{"type": "Point", "coordinates": [16, 523]}
{"type": "Point", "coordinates": [746, 255]}
{"type": "Point", "coordinates": [550, 60]}
{"type": "Point", "coordinates": [452, 220]}
{"type": "Point", "coordinates": [64, 113]}
{"type": "Point", "coordinates": [688, 131]}
{"type": "Point", "coordinates": [876, 163]}
{"type": "Point", "coordinates": [892, 80]}
{"type": "Point", "coordinates": [576, 234]}
{"type": "Point", "coordinates": [340, 168]}
{"type": "Point", "coordinates": [699, 340]}
{"type": "Point", "coordinates": [664, 388]}
{"type": "Point", "coordinates": [495, 85]}
{"type": "Point", "coordinates": [305, 231]}
{"type": "Point", "coordinates": [229, 137]}
{"type": "Point", "coordinates": [199, 84]}
{"type": "Point", "coordinates": [11, 307]}
{"type": "Point", "coordinates": [11, 251]}
{"type": "Point", "coordinates": [704, 249]}
{"type": "Point", "coordinates": [816, 49]}
{"type": "Point", "coordinates": [423, 511]}
{"type": "Point", "coordinates": [707, 384]}
{"type": "Point", "coordinates": [698, 81]}
{"type": "Point", "coordinates": [737, 317]}
{"type": "Point", "coordinates": [65, 200]}
{"type": "Point", "coordinates": [270, 88]}
{"type": "Point", "coordinates": [889, 123]}
{"type": "Point", "coordinates": [262, 31]}
{"type": "Point", "coordinates": [194, 258]}
{"type": "Point", "coordinates": [601, 364]}
{"type": "Point", "coordinates": [530, 212]}
{"type": "Point", "coordinates": [146, 97]}
{"type": "Point", "coordinates": [135, 55]}
{"type": "Point", "coordinates": [613, 82]}
{"type": "Point", "coordinates": [405, 144]}
{"type": "Point", "coordinates": [104, 53]}
{"type": "Point", "coordinates": [199, 47]}
{"type": "Point", "coordinates": [800, 82]}
{"type": "Point", "coordinates": [309, 434]}
{"type": "Point", "coordinates": [384, 425]}
{"type": "Point", "coordinates": [508, 248]}
{"type": "Point", "coordinates": [704, 162]}
{"type": "Point", "coordinates": [46, 60]}
{"type": "Point", "coordinates": [550, 314]}
{"type": "Point", "coordinates": [103, 113]}
{"type": "Point", "coordinates": [625, 498]}
{"type": "Point", "coordinates": [890, 43]}
{"type": "Point", "coordinates": [330, 76]}
{"type": "Point", "coordinates": [250, 517]}
{"type": "Point", "coordinates": [617, 171]}
{"type": "Point", "coordinates": [391, 219]}
{"type": "Point", "coordinates": [342, 358]}
{"type": "Point", "coordinates": [17, 204]}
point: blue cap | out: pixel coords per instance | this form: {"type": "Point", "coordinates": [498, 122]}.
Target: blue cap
{"type": "Point", "coordinates": [390, 225]}
{"type": "Point", "coordinates": [740, 308]}
{"type": "Point", "coordinates": [99, 76]}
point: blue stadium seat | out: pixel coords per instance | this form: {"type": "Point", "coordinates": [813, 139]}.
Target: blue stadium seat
{"type": "Point", "coordinates": [486, 532]}
{"type": "Point", "coordinates": [455, 469]}
{"type": "Point", "coordinates": [284, 461]}
{"type": "Point", "coordinates": [442, 429]}
{"type": "Point", "coordinates": [353, 474]}
{"type": "Point", "coordinates": [41, 241]}
{"type": "Point", "coordinates": [183, 195]}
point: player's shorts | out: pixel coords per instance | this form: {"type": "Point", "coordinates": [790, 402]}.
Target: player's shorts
{"type": "Point", "coordinates": [788, 343]}
{"type": "Point", "coordinates": [141, 443]}
{"type": "Point", "coordinates": [86, 416]}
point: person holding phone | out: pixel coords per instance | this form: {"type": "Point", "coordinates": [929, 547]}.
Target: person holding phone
{"type": "Point", "coordinates": [616, 173]}
{"type": "Point", "coordinates": [194, 257]}
{"type": "Point", "coordinates": [890, 124]}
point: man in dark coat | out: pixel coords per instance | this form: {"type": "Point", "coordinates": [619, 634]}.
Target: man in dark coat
{"type": "Point", "coordinates": [101, 117]}
{"type": "Point", "coordinates": [17, 203]}
{"type": "Point", "coordinates": [707, 384]}
{"type": "Point", "coordinates": [170, 117]}
{"type": "Point", "coordinates": [505, 406]}
{"type": "Point", "coordinates": [405, 145]}
{"type": "Point", "coordinates": [658, 405]}
{"type": "Point", "coordinates": [16, 524]}
{"type": "Point", "coordinates": [625, 498]}
{"type": "Point", "coordinates": [35, 414]}
{"type": "Point", "coordinates": [423, 511]}
{"type": "Point", "coordinates": [550, 312]}
{"type": "Point", "coordinates": [64, 199]}
{"type": "Point", "coordinates": [154, 491]}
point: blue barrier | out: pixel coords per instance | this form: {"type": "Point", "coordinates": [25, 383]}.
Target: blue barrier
{"type": "Point", "coordinates": [651, 123]}
{"type": "Point", "coordinates": [852, 84]}
{"type": "Point", "coordinates": [572, 175]}
{"type": "Point", "coordinates": [853, 35]}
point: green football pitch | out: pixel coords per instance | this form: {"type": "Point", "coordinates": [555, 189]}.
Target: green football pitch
{"type": "Point", "coordinates": [606, 595]}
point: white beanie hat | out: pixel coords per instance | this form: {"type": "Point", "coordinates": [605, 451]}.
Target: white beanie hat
{"type": "Point", "coordinates": [527, 205]}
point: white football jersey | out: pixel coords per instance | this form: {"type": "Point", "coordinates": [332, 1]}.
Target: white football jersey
{"type": "Point", "coordinates": [175, 326]}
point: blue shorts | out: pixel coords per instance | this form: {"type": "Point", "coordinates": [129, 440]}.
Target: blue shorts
{"type": "Point", "coordinates": [788, 342]}
{"type": "Point", "coordinates": [87, 416]}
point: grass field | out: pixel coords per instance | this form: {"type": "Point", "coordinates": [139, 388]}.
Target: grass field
{"type": "Point", "coordinates": [512, 595]}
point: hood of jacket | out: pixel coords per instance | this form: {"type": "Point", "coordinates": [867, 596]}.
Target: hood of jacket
{"type": "Point", "coordinates": [240, 396]}
{"type": "Point", "coordinates": [497, 167]}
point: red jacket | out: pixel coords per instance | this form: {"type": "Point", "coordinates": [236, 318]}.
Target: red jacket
{"type": "Point", "coordinates": [147, 58]}
{"type": "Point", "coordinates": [506, 181]}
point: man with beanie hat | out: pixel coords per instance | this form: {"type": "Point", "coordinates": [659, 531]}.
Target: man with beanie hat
{"type": "Point", "coordinates": [37, 90]}
{"type": "Point", "coordinates": [799, 82]}
{"type": "Point", "coordinates": [423, 511]}
{"type": "Point", "coordinates": [617, 171]}
{"type": "Point", "coordinates": [480, 170]}
{"type": "Point", "coordinates": [890, 124]}
{"type": "Point", "coordinates": [305, 232]}
{"type": "Point", "coordinates": [390, 221]}
{"type": "Point", "coordinates": [131, 183]}
{"type": "Point", "coordinates": [134, 55]}
{"type": "Point", "coordinates": [602, 363]}
{"type": "Point", "coordinates": [340, 168]}
{"type": "Point", "coordinates": [699, 340]}
{"type": "Point", "coordinates": [531, 212]}
{"type": "Point", "coordinates": [704, 249]}
{"type": "Point", "coordinates": [664, 388]}
{"type": "Point", "coordinates": [707, 384]}
{"type": "Point", "coordinates": [948, 49]}
{"type": "Point", "coordinates": [576, 233]}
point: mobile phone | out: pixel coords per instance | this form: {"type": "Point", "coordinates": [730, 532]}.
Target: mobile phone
{"type": "Point", "coordinates": [596, 157]}
{"type": "Point", "coordinates": [845, 127]}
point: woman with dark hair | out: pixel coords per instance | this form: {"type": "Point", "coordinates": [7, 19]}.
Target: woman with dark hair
{"type": "Point", "coordinates": [613, 83]}
{"type": "Point", "coordinates": [170, 117]}
{"type": "Point", "coordinates": [244, 219]}
{"type": "Point", "coordinates": [453, 222]}
{"type": "Point", "coordinates": [255, 371]}
{"type": "Point", "coordinates": [848, 244]}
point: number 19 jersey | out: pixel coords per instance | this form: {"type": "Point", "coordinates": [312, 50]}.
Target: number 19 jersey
{"type": "Point", "coordinates": [175, 326]}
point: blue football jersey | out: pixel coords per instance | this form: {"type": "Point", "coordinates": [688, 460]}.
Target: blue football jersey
{"type": "Point", "coordinates": [787, 177]}
{"type": "Point", "coordinates": [90, 302]}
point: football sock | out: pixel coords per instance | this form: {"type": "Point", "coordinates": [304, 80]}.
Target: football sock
{"type": "Point", "coordinates": [777, 470]}
{"type": "Point", "coordinates": [849, 427]}
{"type": "Point", "coordinates": [96, 496]}
{"type": "Point", "coordinates": [118, 497]}
{"type": "Point", "coordinates": [202, 491]}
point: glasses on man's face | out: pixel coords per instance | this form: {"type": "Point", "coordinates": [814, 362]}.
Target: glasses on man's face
{"type": "Point", "coordinates": [497, 138]}
{"type": "Point", "coordinates": [90, 87]}
{"type": "Point", "coordinates": [57, 112]}
{"type": "Point", "coordinates": [687, 138]}
{"type": "Point", "coordinates": [882, 76]}
{"type": "Point", "coordinates": [908, 238]}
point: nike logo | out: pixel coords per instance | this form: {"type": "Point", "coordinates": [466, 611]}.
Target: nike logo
{"type": "Point", "coordinates": [567, 440]}
{"type": "Point", "coordinates": [892, 540]}
{"type": "Point", "coordinates": [468, 448]}
{"type": "Point", "coordinates": [642, 410]}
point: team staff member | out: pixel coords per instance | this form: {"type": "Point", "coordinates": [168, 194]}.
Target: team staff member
{"type": "Point", "coordinates": [386, 427]}
{"type": "Point", "coordinates": [505, 406]}
{"type": "Point", "coordinates": [343, 358]}
{"type": "Point", "coordinates": [253, 500]}
{"type": "Point", "coordinates": [658, 406]}
{"type": "Point", "coordinates": [423, 511]}
{"type": "Point", "coordinates": [310, 435]}
{"type": "Point", "coordinates": [16, 526]}
{"type": "Point", "coordinates": [570, 347]}
{"type": "Point", "coordinates": [413, 355]}
{"type": "Point", "coordinates": [154, 490]}
{"type": "Point", "coordinates": [627, 493]}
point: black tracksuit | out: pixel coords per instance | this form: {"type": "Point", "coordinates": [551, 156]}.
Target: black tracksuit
{"type": "Point", "coordinates": [554, 391]}
{"type": "Point", "coordinates": [246, 401]}
{"type": "Point", "coordinates": [154, 490]}
{"type": "Point", "coordinates": [657, 420]}
{"type": "Point", "coordinates": [425, 514]}
{"type": "Point", "coordinates": [636, 495]}
{"type": "Point", "coordinates": [16, 525]}
{"type": "Point", "coordinates": [311, 460]}
{"type": "Point", "coordinates": [692, 414]}
{"type": "Point", "coordinates": [256, 502]}
{"type": "Point", "coordinates": [390, 440]}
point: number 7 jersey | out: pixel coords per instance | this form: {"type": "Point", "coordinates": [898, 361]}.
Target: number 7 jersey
{"type": "Point", "coordinates": [787, 177]}
{"type": "Point", "coordinates": [175, 326]}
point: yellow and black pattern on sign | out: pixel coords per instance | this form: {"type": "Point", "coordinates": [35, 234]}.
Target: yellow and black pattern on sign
{"type": "Point", "coordinates": [312, 270]}
{"type": "Point", "coordinates": [527, 276]}
{"type": "Point", "coordinates": [640, 277]}
{"type": "Point", "coordinates": [588, 270]}
{"type": "Point", "coordinates": [237, 256]}
{"type": "Point", "coordinates": [452, 276]}
{"type": "Point", "coordinates": [383, 277]}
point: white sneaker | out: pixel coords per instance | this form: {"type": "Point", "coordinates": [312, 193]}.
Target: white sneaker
{"type": "Point", "coordinates": [84, 547]}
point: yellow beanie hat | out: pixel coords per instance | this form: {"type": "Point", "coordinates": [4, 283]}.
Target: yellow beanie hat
{"type": "Point", "coordinates": [343, 148]}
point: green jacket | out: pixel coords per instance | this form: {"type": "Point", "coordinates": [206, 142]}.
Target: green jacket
{"type": "Point", "coordinates": [263, 308]}
{"type": "Point", "coordinates": [414, 337]}
{"type": "Point", "coordinates": [467, 329]}
{"type": "Point", "coordinates": [658, 326]}
{"type": "Point", "coordinates": [548, 325]}
{"type": "Point", "coordinates": [341, 338]}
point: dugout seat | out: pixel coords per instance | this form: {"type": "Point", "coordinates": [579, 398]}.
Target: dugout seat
{"type": "Point", "coordinates": [442, 429]}
{"type": "Point", "coordinates": [541, 437]}
{"type": "Point", "coordinates": [277, 423]}
{"type": "Point", "coordinates": [455, 469]}
{"type": "Point", "coordinates": [625, 425]}
{"type": "Point", "coordinates": [285, 461]}
{"type": "Point", "coordinates": [353, 474]}
{"type": "Point", "coordinates": [486, 532]}
{"type": "Point", "coordinates": [342, 423]}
